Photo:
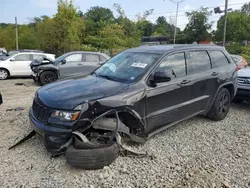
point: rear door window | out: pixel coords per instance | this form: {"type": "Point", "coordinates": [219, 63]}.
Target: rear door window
{"type": "Point", "coordinates": [174, 64]}
{"type": "Point", "coordinates": [91, 58]}
{"type": "Point", "coordinates": [218, 59]}
{"type": "Point", "coordinates": [198, 61]}
{"type": "Point", "coordinates": [23, 57]}
{"type": "Point", "coordinates": [37, 56]}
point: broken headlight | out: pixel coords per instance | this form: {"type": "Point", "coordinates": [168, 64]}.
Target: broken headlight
{"type": "Point", "coordinates": [65, 116]}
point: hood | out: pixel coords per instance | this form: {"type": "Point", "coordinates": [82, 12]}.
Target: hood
{"type": "Point", "coordinates": [41, 61]}
{"type": "Point", "coordinates": [244, 72]}
{"type": "Point", "coordinates": [67, 94]}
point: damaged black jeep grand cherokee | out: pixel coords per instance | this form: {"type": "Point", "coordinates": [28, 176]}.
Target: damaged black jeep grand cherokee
{"type": "Point", "coordinates": [149, 87]}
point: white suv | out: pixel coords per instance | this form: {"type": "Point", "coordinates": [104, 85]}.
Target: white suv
{"type": "Point", "coordinates": [19, 64]}
{"type": "Point", "coordinates": [243, 92]}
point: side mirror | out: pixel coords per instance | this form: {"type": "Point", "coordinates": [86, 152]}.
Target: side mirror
{"type": "Point", "coordinates": [12, 59]}
{"type": "Point", "coordinates": [161, 76]}
{"type": "Point", "coordinates": [63, 61]}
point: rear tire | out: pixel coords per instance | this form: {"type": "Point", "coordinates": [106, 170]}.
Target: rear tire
{"type": "Point", "coordinates": [221, 105]}
{"type": "Point", "coordinates": [4, 74]}
{"type": "Point", "coordinates": [47, 77]}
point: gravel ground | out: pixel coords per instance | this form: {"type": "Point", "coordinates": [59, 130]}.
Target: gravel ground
{"type": "Point", "coordinates": [195, 153]}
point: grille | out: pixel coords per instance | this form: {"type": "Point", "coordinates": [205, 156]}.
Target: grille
{"type": "Point", "coordinates": [243, 81]}
{"type": "Point", "coordinates": [41, 112]}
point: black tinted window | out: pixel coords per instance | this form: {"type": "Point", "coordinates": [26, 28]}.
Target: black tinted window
{"type": "Point", "coordinates": [22, 57]}
{"type": "Point", "coordinates": [174, 64]}
{"type": "Point", "coordinates": [218, 59]}
{"type": "Point", "coordinates": [198, 61]}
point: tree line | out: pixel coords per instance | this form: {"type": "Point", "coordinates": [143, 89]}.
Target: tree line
{"type": "Point", "coordinates": [98, 29]}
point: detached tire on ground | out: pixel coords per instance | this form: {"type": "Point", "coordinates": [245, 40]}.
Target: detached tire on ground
{"type": "Point", "coordinates": [94, 158]}
{"type": "Point", "coordinates": [47, 77]}
{"type": "Point", "coordinates": [221, 105]}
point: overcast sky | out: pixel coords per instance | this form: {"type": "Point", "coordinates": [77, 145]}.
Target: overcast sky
{"type": "Point", "coordinates": [26, 9]}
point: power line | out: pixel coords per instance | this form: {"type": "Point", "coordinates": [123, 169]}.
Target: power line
{"type": "Point", "coordinates": [235, 4]}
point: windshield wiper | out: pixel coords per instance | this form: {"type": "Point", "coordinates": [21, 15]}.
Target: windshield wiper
{"type": "Point", "coordinates": [105, 76]}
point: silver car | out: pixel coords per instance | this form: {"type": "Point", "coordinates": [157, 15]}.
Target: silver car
{"type": "Point", "coordinates": [70, 64]}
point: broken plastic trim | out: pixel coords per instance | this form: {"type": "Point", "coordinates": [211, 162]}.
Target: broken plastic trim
{"type": "Point", "coordinates": [29, 136]}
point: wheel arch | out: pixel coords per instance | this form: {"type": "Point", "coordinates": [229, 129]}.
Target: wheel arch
{"type": "Point", "coordinates": [229, 86]}
{"type": "Point", "coordinates": [6, 70]}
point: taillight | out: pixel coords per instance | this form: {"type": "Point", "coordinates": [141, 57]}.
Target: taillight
{"type": "Point", "coordinates": [244, 62]}
{"type": "Point", "coordinates": [238, 67]}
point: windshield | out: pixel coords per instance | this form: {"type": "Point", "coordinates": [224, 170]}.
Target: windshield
{"type": "Point", "coordinates": [127, 66]}
{"type": "Point", "coordinates": [11, 53]}
{"type": "Point", "coordinates": [60, 58]}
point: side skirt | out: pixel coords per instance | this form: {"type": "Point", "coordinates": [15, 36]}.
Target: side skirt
{"type": "Point", "coordinates": [174, 123]}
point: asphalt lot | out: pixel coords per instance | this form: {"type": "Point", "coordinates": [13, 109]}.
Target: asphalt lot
{"type": "Point", "coordinates": [195, 153]}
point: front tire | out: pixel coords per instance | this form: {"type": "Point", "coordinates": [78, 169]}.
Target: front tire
{"type": "Point", "coordinates": [221, 105]}
{"type": "Point", "coordinates": [47, 77]}
{"type": "Point", "coordinates": [3, 74]}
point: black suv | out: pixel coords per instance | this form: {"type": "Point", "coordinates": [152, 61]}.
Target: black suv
{"type": "Point", "coordinates": [149, 87]}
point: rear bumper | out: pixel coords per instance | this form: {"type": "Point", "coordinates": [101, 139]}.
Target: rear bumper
{"type": "Point", "coordinates": [243, 94]}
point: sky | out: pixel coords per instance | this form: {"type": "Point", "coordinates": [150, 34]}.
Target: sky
{"type": "Point", "coordinates": [25, 10]}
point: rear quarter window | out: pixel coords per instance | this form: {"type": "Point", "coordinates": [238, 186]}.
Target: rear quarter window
{"type": "Point", "coordinates": [218, 59]}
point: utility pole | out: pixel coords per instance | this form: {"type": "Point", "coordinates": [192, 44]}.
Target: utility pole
{"type": "Point", "coordinates": [16, 34]}
{"type": "Point", "coordinates": [176, 19]}
{"type": "Point", "coordinates": [225, 23]}
{"type": "Point", "coordinates": [217, 10]}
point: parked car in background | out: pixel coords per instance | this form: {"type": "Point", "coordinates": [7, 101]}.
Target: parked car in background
{"type": "Point", "coordinates": [240, 61]}
{"type": "Point", "coordinates": [12, 52]}
{"type": "Point", "coordinates": [46, 70]}
{"type": "Point", "coordinates": [243, 92]}
{"type": "Point", "coordinates": [18, 64]}
{"type": "Point", "coordinates": [3, 53]}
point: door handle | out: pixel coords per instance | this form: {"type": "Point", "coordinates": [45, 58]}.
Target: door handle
{"type": "Point", "coordinates": [79, 64]}
{"type": "Point", "coordinates": [184, 82]}
{"type": "Point", "coordinates": [215, 73]}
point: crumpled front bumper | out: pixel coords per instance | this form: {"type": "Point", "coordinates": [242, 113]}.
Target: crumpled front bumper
{"type": "Point", "coordinates": [56, 140]}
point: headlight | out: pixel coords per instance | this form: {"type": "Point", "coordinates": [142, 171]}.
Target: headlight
{"type": "Point", "coordinates": [65, 116]}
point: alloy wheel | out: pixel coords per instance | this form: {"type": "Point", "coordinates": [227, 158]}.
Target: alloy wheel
{"type": "Point", "coordinates": [224, 103]}
{"type": "Point", "coordinates": [3, 74]}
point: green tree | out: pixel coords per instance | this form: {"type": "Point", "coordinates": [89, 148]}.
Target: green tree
{"type": "Point", "coordinates": [95, 19]}
{"type": "Point", "coordinates": [246, 8]}
{"type": "Point", "coordinates": [27, 37]}
{"type": "Point", "coordinates": [132, 34]}
{"type": "Point", "coordinates": [67, 25]}
{"type": "Point", "coordinates": [198, 27]}
{"type": "Point", "coordinates": [112, 37]}
{"type": "Point", "coordinates": [161, 27]}
{"type": "Point", "coordinates": [238, 27]}
{"type": "Point", "coordinates": [7, 37]}
{"type": "Point", "coordinates": [99, 15]}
